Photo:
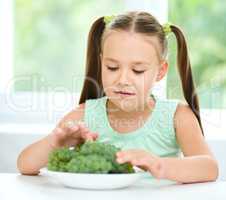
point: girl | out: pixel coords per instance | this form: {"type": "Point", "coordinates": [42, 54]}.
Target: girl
{"type": "Point", "coordinates": [126, 56]}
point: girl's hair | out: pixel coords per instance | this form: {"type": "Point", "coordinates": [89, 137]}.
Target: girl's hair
{"type": "Point", "coordinates": [143, 23]}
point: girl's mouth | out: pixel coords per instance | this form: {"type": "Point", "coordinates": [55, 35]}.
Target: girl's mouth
{"type": "Point", "coordinates": [124, 93]}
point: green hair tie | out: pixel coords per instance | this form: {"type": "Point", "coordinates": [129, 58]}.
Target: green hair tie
{"type": "Point", "coordinates": [108, 19]}
{"type": "Point", "coordinates": [167, 29]}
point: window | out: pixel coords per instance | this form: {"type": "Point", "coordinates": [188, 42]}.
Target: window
{"type": "Point", "coordinates": [203, 23]}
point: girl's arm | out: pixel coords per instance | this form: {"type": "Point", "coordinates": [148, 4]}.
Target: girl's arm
{"type": "Point", "coordinates": [198, 163]}
{"type": "Point", "coordinates": [35, 156]}
{"type": "Point", "coordinates": [191, 169]}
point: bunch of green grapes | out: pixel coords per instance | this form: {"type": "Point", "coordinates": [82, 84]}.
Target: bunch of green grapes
{"type": "Point", "coordinates": [90, 157]}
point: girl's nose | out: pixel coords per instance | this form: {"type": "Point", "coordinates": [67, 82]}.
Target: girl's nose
{"type": "Point", "coordinates": [124, 78]}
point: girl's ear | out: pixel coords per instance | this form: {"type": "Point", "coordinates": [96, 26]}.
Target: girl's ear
{"type": "Point", "coordinates": [163, 70]}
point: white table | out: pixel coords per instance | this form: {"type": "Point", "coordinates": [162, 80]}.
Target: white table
{"type": "Point", "coordinates": [14, 186]}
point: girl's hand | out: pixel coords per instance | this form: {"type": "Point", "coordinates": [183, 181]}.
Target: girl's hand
{"type": "Point", "coordinates": [70, 134]}
{"type": "Point", "coordinates": [143, 160]}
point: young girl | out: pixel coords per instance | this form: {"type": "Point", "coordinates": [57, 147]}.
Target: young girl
{"type": "Point", "coordinates": [126, 56]}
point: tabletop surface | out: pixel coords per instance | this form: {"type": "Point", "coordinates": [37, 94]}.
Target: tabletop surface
{"type": "Point", "coordinates": [16, 186]}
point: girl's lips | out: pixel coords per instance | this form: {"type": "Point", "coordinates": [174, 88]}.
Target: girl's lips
{"type": "Point", "coordinates": [124, 93]}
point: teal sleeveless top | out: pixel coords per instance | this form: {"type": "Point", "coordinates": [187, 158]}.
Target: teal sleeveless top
{"type": "Point", "coordinates": [157, 134]}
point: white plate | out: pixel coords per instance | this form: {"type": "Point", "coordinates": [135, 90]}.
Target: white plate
{"type": "Point", "coordinates": [94, 181]}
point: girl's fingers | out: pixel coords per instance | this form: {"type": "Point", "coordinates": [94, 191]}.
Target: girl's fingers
{"type": "Point", "coordinates": [142, 163]}
{"type": "Point", "coordinates": [83, 128]}
{"type": "Point", "coordinates": [122, 158]}
{"type": "Point", "coordinates": [135, 157]}
{"type": "Point", "coordinates": [69, 132]}
{"type": "Point", "coordinates": [86, 133]}
{"type": "Point", "coordinates": [74, 128]}
{"type": "Point", "coordinates": [130, 152]}
{"type": "Point", "coordinates": [96, 135]}
{"type": "Point", "coordinates": [59, 132]}
{"type": "Point", "coordinates": [77, 130]}
{"type": "Point", "coordinates": [81, 125]}
{"type": "Point", "coordinates": [71, 126]}
{"type": "Point", "coordinates": [71, 129]}
{"type": "Point", "coordinates": [57, 136]}
{"type": "Point", "coordinates": [89, 136]}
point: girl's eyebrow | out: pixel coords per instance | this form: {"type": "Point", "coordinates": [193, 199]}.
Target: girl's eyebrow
{"type": "Point", "coordinates": [134, 62]}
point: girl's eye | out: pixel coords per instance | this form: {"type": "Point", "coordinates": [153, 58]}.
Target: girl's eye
{"type": "Point", "coordinates": [116, 68]}
{"type": "Point", "coordinates": [112, 68]}
{"type": "Point", "coordinates": [138, 72]}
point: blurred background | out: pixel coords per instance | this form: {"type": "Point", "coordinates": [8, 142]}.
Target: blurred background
{"type": "Point", "coordinates": [50, 43]}
{"type": "Point", "coordinates": [204, 25]}
{"type": "Point", "coordinates": [43, 48]}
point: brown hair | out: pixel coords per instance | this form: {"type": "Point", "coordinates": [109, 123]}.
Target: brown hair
{"type": "Point", "coordinates": [144, 23]}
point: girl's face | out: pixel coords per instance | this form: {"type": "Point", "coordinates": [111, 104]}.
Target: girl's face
{"type": "Point", "coordinates": [130, 67]}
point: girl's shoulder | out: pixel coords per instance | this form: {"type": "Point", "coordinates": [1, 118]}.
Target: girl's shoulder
{"type": "Point", "coordinates": [183, 112]}
{"type": "Point", "coordinates": [184, 115]}
{"type": "Point", "coordinates": [188, 131]}
{"type": "Point", "coordinates": [186, 123]}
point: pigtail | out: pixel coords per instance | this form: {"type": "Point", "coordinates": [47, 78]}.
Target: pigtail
{"type": "Point", "coordinates": [92, 87]}
{"type": "Point", "coordinates": [184, 68]}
